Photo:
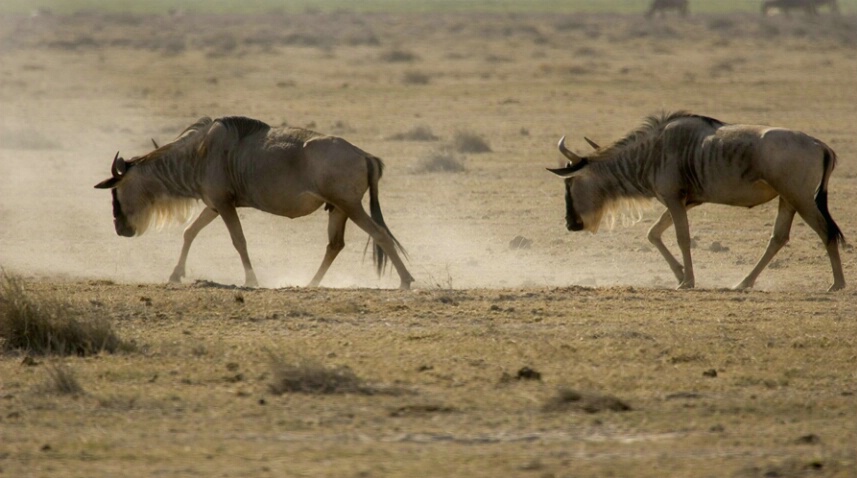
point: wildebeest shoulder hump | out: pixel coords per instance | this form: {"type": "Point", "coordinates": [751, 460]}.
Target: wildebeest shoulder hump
{"type": "Point", "coordinates": [243, 126]}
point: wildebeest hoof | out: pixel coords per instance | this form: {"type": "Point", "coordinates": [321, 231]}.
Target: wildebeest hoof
{"type": "Point", "coordinates": [836, 287]}
{"type": "Point", "coordinates": [686, 285]}
{"type": "Point", "coordinates": [176, 279]}
{"type": "Point", "coordinates": [743, 286]}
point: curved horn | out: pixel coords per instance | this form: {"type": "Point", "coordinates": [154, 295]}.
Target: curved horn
{"type": "Point", "coordinates": [119, 166]}
{"type": "Point", "coordinates": [573, 158]}
{"type": "Point", "coordinates": [591, 143]}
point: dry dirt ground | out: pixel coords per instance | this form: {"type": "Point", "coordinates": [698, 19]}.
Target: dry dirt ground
{"type": "Point", "coordinates": [715, 382]}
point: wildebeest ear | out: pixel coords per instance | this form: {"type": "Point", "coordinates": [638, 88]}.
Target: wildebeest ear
{"type": "Point", "coordinates": [570, 170]}
{"type": "Point", "coordinates": [107, 183]}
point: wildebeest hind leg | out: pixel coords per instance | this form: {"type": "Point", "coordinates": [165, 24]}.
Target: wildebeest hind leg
{"type": "Point", "coordinates": [336, 242]}
{"type": "Point", "coordinates": [779, 238]}
{"type": "Point", "coordinates": [383, 239]}
{"type": "Point", "coordinates": [818, 223]}
{"type": "Point", "coordinates": [205, 217]}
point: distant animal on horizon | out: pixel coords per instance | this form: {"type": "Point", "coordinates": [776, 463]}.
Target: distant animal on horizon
{"type": "Point", "coordinates": [684, 160]}
{"type": "Point", "coordinates": [661, 6]}
{"type": "Point", "coordinates": [810, 7]}
{"type": "Point", "coordinates": [235, 162]}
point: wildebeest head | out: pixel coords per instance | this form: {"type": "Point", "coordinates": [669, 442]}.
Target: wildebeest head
{"type": "Point", "coordinates": [124, 207]}
{"type": "Point", "coordinates": [582, 211]}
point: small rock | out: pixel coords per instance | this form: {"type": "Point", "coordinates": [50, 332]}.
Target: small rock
{"type": "Point", "coordinates": [526, 373]}
{"type": "Point", "coordinates": [717, 247]}
{"type": "Point", "coordinates": [29, 361]}
{"type": "Point", "coordinates": [810, 439]}
{"type": "Point", "coordinates": [520, 242]}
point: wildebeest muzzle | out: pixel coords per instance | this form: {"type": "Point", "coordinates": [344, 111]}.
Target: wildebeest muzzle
{"type": "Point", "coordinates": [120, 220]}
{"type": "Point", "coordinates": [572, 219]}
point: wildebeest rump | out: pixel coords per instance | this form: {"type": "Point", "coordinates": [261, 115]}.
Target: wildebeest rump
{"type": "Point", "coordinates": [237, 162]}
{"type": "Point", "coordinates": [684, 160]}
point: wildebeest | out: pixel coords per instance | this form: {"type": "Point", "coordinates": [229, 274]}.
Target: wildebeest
{"type": "Point", "coordinates": [237, 162]}
{"type": "Point", "coordinates": [810, 7]}
{"type": "Point", "coordinates": [661, 6]}
{"type": "Point", "coordinates": [684, 160]}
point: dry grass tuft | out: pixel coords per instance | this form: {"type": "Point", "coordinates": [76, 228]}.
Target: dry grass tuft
{"type": "Point", "coordinates": [470, 142]}
{"type": "Point", "coordinates": [440, 160]}
{"type": "Point", "coordinates": [417, 133]}
{"type": "Point", "coordinates": [305, 375]}
{"type": "Point", "coordinates": [398, 56]}
{"type": "Point", "coordinates": [49, 325]}
{"type": "Point", "coordinates": [572, 400]}
{"type": "Point", "coordinates": [416, 78]}
{"type": "Point", "coordinates": [61, 381]}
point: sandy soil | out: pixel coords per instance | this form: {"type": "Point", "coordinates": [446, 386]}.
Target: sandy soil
{"type": "Point", "coordinates": [595, 312]}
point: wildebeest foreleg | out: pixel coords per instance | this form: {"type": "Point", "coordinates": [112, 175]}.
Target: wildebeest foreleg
{"type": "Point", "coordinates": [383, 239]}
{"type": "Point", "coordinates": [654, 236]}
{"type": "Point", "coordinates": [233, 224]}
{"type": "Point", "coordinates": [779, 238]}
{"type": "Point", "coordinates": [678, 211]}
{"type": "Point", "coordinates": [205, 217]}
{"type": "Point", "coordinates": [336, 242]}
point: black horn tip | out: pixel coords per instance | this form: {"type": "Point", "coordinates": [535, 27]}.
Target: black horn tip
{"type": "Point", "coordinates": [119, 166]}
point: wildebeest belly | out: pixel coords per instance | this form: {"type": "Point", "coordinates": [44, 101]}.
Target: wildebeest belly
{"type": "Point", "coordinates": [736, 193]}
{"type": "Point", "coordinates": [285, 203]}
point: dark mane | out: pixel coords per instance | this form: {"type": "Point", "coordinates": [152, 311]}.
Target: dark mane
{"type": "Point", "coordinates": [201, 124]}
{"type": "Point", "coordinates": [651, 125]}
{"type": "Point", "coordinates": [243, 126]}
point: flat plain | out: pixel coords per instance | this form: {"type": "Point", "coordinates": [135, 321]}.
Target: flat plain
{"type": "Point", "coordinates": [524, 350]}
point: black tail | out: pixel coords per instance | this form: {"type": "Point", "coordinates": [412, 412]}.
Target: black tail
{"type": "Point", "coordinates": [834, 234]}
{"type": "Point", "coordinates": [378, 255]}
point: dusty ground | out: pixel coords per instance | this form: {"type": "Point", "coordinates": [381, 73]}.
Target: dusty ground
{"type": "Point", "coordinates": [595, 313]}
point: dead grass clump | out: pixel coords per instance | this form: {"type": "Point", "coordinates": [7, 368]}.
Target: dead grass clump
{"type": "Point", "coordinates": [417, 133]}
{"type": "Point", "coordinates": [416, 78]}
{"type": "Point", "coordinates": [440, 160]}
{"type": "Point", "coordinates": [572, 400]}
{"type": "Point", "coordinates": [398, 56]}
{"type": "Point", "coordinates": [304, 375]}
{"type": "Point", "coordinates": [722, 24]}
{"type": "Point", "coordinates": [61, 381]}
{"type": "Point", "coordinates": [49, 325]}
{"type": "Point", "coordinates": [470, 142]}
